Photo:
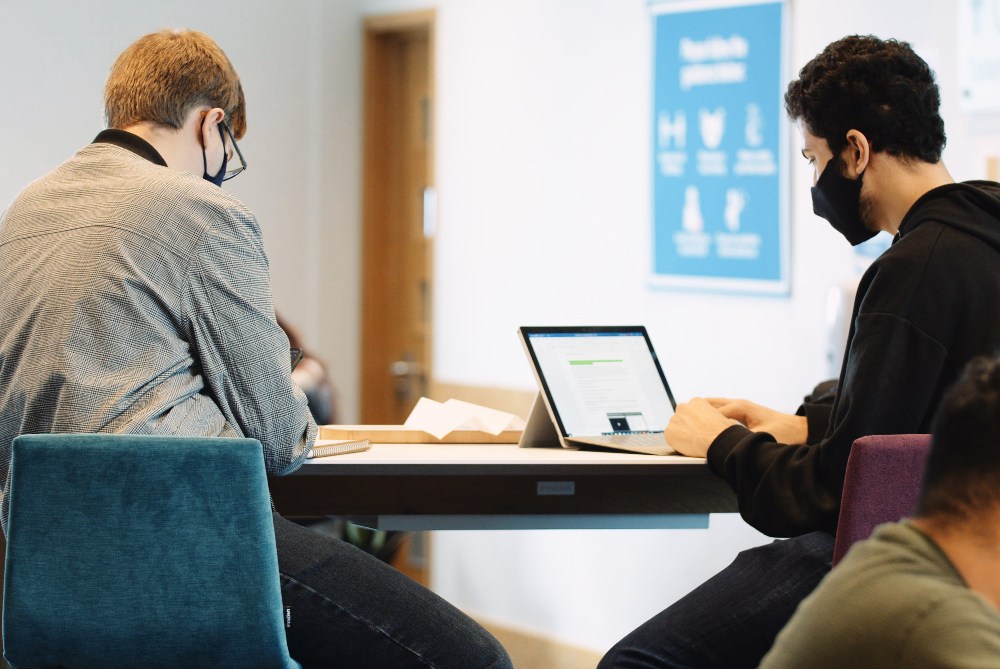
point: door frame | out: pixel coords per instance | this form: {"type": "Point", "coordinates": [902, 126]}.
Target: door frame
{"type": "Point", "coordinates": [374, 156]}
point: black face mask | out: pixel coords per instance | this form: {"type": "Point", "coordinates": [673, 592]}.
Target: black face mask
{"type": "Point", "coordinates": [837, 199]}
{"type": "Point", "coordinates": [221, 174]}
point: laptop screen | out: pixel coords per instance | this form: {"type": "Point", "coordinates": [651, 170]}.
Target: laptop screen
{"type": "Point", "coordinates": [601, 380]}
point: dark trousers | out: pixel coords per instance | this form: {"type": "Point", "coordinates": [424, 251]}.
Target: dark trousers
{"type": "Point", "coordinates": [350, 610]}
{"type": "Point", "coordinates": [731, 620]}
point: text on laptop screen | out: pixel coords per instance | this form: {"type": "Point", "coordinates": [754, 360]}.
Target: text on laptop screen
{"type": "Point", "coordinates": [602, 383]}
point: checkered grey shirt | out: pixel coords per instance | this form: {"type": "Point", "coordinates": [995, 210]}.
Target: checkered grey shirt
{"type": "Point", "coordinates": [136, 299]}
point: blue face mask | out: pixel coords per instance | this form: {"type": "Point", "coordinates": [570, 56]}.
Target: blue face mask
{"type": "Point", "coordinates": [221, 174]}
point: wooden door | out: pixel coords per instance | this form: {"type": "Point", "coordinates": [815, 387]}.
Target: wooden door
{"type": "Point", "coordinates": [398, 205]}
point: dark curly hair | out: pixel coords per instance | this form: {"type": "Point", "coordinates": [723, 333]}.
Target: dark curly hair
{"type": "Point", "coordinates": [962, 475]}
{"type": "Point", "coordinates": [880, 88]}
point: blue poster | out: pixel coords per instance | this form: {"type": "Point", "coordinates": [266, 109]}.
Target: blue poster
{"type": "Point", "coordinates": [720, 201]}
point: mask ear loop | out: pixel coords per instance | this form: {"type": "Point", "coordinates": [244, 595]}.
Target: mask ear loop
{"type": "Point", "coordinates": [204, 158]}
{"type": "Point", "coordinates": [221, 176]}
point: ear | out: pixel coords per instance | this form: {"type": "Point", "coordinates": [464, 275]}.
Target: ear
{"type": "Point", "coordinates": [210, 126]}
{"type": "Point", "coordinates": [857, 154]}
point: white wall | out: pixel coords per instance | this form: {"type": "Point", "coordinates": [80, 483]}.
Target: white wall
{"type": "Point", "coordinates": [300, 67]}
{"type": "Point", "coordinates": [543, 126]}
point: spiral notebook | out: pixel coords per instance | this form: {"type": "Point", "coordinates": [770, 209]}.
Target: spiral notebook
{"type": "Point", "coordinates": [325, 448]}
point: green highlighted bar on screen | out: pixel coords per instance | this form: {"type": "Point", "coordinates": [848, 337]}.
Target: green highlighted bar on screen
{"type": "Point", "coordinates": [590, 362]}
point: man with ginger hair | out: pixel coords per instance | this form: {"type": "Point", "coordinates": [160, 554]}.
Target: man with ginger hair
{"type": "Point", "coordinates": [135, 298]}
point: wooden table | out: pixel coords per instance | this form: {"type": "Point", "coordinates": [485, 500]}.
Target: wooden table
{"type": "Point", "coordinates": [490, 486]}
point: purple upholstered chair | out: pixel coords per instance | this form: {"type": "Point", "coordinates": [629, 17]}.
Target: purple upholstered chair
{"type": "Point", "coordinates": [881, 485]}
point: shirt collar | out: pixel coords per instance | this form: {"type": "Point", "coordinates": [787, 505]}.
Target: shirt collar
{"type": "Point", "coordinates": [133, 143]}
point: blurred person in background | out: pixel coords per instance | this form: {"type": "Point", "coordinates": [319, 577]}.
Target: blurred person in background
{"type": "Point", "coordinates": [311, 376]}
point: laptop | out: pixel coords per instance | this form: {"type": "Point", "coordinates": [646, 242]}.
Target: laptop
{"type": "Point", "coordinates": [600, 386]}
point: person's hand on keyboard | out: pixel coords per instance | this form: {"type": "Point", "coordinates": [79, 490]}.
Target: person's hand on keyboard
{"type": "Point", "coordinates": [785, 428]}
{"type": "Point", "coordinates": [695, 426]}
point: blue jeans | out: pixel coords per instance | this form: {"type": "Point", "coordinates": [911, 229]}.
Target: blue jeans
{"type": "Point", "coordinates": [731, 620]}
{"type": "Point", "coordinates": [350, 610]}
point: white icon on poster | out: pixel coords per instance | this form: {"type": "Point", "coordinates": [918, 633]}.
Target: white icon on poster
{"type": "Point", "coordinates": [672, 131]}
{"type": "Point", "coordinates": [691, 218]}
{"type": "Point", "coordinates": [755, 125]}
{"type": "Point", "coordinates": [736, 245]}
{"type": "Point", "coordinates": [756, 160]}
{"type": "Point", "coordinates": [692, 241]}
{"type": "Point", "coordinates": [675, 130]}
{"type": "Point", "coordinates": [735, 202]}
{"type": "Point", "coordinates": [713, 126]}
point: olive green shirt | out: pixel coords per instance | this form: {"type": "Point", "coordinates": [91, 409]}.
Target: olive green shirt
{"type": "Point", "coordinates": [894, 601]}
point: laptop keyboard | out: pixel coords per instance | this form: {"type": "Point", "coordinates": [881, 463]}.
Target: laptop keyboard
{"type": "Point", "coordinates": [634, 439]}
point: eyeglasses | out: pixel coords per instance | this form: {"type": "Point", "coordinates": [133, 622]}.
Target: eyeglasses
{"type": "Point", "coordinates": [233, 171]}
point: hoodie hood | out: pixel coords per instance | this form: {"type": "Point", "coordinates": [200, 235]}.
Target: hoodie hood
{"type": "Point", "coordinates": [978, 205]}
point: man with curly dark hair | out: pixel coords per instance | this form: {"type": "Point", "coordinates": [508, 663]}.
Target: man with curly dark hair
{"type": "Point", "coordinates": [867, 110]}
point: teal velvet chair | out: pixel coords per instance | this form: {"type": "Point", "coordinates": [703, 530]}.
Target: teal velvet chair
{"type": "Point", "coordinates": [141, 552]}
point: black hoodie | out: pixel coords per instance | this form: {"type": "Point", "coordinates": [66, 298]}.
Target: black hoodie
{"type": "Point", "coordinates": [928, 305]}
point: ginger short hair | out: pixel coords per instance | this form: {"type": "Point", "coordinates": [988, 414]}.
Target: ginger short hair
{"type": "Point", "coordinates": [162, 76]}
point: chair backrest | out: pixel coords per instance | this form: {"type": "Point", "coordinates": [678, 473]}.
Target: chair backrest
{"type": "Point", "coordinates": [139, 551]}
{"type": "Point", "coordinates": [881, 485]}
